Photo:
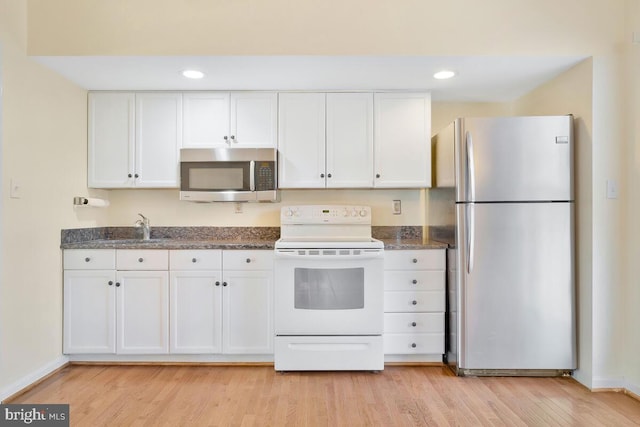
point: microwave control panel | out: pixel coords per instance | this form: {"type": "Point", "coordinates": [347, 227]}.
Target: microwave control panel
{"type": "Point", "coordinates": [265, 176]}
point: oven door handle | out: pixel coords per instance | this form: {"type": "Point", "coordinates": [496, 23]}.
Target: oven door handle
{"type": "Point", "coordinates": [364, 256]}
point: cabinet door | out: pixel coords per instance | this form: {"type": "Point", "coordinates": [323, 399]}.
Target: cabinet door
{"type": "Point", "coordinates": [111, 139]}
{"type": "Point", "coordinates": [247, 312]}
{"type": "Point", "coordinates": [196, 312]}
{"type": "Point", "coordinates": [89, 311]}
{"type": "Point", "coordinates": [402, 140]}
{"type": "Point", "coordinates": [158, 139]}
{"type": "Point", "coordinates": [254, 119]}
{"type": "Point", "coordinates": [301, 140]}
{"type": "Point", "coordinates": [142, 312]}
{"type": "Point", "coordinates": [349, 140]}
{"type": "Point", "coordinates": [206, 120]}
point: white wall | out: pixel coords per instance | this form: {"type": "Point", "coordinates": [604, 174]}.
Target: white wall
{"type": "Point", "coordinates": [44, 149]}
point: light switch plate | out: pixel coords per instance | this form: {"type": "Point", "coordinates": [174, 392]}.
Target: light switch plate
{"type": "Point", "coordinates": [396, 207]}
{"type": "Point", "coordinates": [15, 189]}
{"type": "Point", "coordinates": [612, 189]}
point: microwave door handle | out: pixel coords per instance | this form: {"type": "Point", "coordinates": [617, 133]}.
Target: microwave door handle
{"type": "Point", "coordinates": [252, 175]}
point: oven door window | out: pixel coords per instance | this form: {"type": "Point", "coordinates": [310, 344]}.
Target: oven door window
{"type": "Point", "coordinates": [329, 288]}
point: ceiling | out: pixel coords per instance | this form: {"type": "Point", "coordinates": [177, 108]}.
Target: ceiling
{"type": "Point", "coordinates": [479, 78]}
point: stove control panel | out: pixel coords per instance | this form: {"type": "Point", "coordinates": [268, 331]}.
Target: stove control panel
{"type": "Point", "coordinates": [325, 214]}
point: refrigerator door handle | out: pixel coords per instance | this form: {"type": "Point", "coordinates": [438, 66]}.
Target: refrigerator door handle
{"type": "Point", "coordinates": [470, 237]}
{"type": "Point", "coordinates": [471, 169]}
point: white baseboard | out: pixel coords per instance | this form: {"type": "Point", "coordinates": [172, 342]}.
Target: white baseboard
{"type": "Point", "coordinates": [633, 388]}
{"type": "Point", "coordinates": [607, 383]}
{"type": "Point", "coordinates": [33, 377]}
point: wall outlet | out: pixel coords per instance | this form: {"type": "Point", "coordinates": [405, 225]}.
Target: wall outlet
{"type": "Point", "coordinates": [612, 189]}
{"type": "Point", "coordinates": [15, 189]}
{"type": "Point", "coordinates": [396, 207]}
{"type": "Point", "coordinates": [238, 208]}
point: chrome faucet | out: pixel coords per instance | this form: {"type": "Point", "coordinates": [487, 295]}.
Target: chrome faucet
{"type": "Point", "coordinates": [146, 227]}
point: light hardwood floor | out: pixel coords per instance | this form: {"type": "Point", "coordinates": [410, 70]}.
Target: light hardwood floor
{"type": "Point", "coordinates": [256, 395]}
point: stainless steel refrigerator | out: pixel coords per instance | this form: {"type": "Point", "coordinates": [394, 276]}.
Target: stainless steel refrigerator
{"type": "Point", "coordinates": [511, 299]}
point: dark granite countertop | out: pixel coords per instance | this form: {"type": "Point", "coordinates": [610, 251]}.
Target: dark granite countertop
{"type": "Point", "coordinates": [394, 238]}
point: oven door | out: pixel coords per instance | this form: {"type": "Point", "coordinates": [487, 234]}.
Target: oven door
{"type": "Point", "coordinates": [329, 291]}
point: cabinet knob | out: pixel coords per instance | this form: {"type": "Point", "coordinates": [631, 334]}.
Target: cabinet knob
{"type": "Point", "coordinates": [413, 345]}
{"type": "Point", "coordinates": [329, 176]}
{"type": "Point", "coordinates": [414, 324]}
{"type": "Point", "coordinates": [140, 259]}
{"type": "Point", "coordinates": [377, 175]}
{"type": "Point", "coordinates": [415, 260]}
{"type": "Point", "coordinates": [233, 138]}
{"type": "Point", "coordinates": [110, 282]}
{"type": "Point", "coordinates": [224, 283]}
{"type": "Point", "coordinates": [414, 281]}
{"type": "Point", "coordinates": [414, 302]}
{"type": "Point", "coordinates": [193, 260]}
{"type": "Point", "coordinates": [217, 283]}
{"type": "Point", "coordinates": [225, 137]}
{"type": "Point", "coordinates": [87, 259]}
{"type": "Point", "coordinates": [129, 175]}
{"type": "Point", "coordinates": [248, 260]}
{"type": "Point", "coordinates": [136, 176]}
{"type": "Point", "coordinates": [321, 175]}
{"type": "Point", "coordinates": [117, 284]}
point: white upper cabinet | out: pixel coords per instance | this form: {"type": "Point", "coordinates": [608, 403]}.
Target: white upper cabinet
{"type": "Point", "coordinates": [402, 140]}
{"type": "Point", "coordinates": [349, 140]}
{"type": "Point", "coordinates": [326, 140]}
{"type": "Point", "coordinates": [134, 139]}
{"type": "Point", "coordinates": [301, 140]}
{"type": "Point", "coordinates": [236, 119]}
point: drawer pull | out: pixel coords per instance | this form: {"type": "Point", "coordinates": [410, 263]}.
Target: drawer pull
{"type": "Point", "coordinates": [414, 281]}
{"type": "Point", "coordinates": [87, 259]}
{"type": "Point", "coordinates": [193, 260]}
{"type": "Point", "coordinates": [413, 345]}
{"type": "Point", "coordinates": [140, 259]}
{"type": "Point", "coordinates": [248, 260]}
{"type": "Point", "coordinates": [217, 283]}
{"type": "Point", "coordinates": [110, 283]}
{"type": "Point", "coordinates": [414, 324]}
{"type": "Point", "coordinates": [415, 260]}
{"type": "Point", "coordinates": [414, 302]}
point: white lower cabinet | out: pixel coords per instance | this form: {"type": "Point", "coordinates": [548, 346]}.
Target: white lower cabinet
{"type": "Point", "coordinates": [414, 302]}
{"type": "Point", "coordinates": [153, 302]}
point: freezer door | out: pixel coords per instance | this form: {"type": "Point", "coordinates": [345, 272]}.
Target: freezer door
{"type": "Point", "coordinates": [516, 286]}
{"type": "Point", "coordinates": [514, 159]}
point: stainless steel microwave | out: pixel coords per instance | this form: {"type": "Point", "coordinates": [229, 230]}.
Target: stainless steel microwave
{"type": "Point", "coordinates": [229, 174]}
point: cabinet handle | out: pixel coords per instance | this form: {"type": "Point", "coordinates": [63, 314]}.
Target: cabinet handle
{"type": "Point", "coordinates": [415, 260]}
{"type": "Point", "coordinates": [329, 176]}
{"type": "Point", "coordinates": [414, 324]}
{"type": "Point", "coordinates": [414, 281]}
{"type": "Point", "coordinates": [117, 284]}
{"type": "Point", "coordinates": [136, 176]}
{"type": "Point", "coordinates": [321, 175]}
{"type": "Point", "coordinates": [226, 138]}
{"type": "Point", "coordinates": [129, 175]}
{"type": "Point", "coordinates": [193, 260]}
{"type": "Point", "coordinates": [377, 175]}
{"type": "Point", "coordinates": [248, 260]}
{"type": "Point", "coordinates": [224, 283]}
{"type": "Point", "coordinates": [110, 283]}
{"type": "Point", "coordinates": [217, 283]}
{"type": "Point", "coordinates": [87, 259]}
{"type": "Point", "coordinates": [414, 302]}
{"type": "Point", "coordinates": [413, 345]}
{"type": "Point", "coordinates": [140, 259]}
{"type": "Point", "coordinates": [233, 138]}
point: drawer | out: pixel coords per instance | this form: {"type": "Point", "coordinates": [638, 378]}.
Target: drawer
{"type": "Point", "coordinates": [418, 301]}
{"type": "Point", "coordinates": [426, 259]}
{"type": "Point", "coordinates": [89, 259]}
{"type": "Point", "coordinates": [412, 323]}
{"type": "Point", "coordinates": [430, 280]}
{"type": "Point", "coordinates": [142, 259]}
{"type": "Point", "coordinates": [247, 260]}
{"type": "Point", "coordinates": [195, 259]}
{"type": "Point", "coordinates": [414, 343]}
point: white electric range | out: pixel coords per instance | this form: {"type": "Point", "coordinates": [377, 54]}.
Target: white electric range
{"type": "Point", "coordinates": [328, 290]}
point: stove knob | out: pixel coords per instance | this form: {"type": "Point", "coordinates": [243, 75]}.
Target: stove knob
{"type": "Point", "coordinates": [289, 212]}
{"type": "Point", "coordinates": [363, 212]}
{"type": "Point", "coordinates": [296, 213]}
{"type": "Point", "coordinates": [354, 213]}
{"type": "Point", "coordinates": [345, 213]}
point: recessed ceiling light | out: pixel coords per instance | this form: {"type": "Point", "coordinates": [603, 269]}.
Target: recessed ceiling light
{"type": "Point", "coordinates": [444, 74]}
{"type": "Point", "coordinates": [193, 74]}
